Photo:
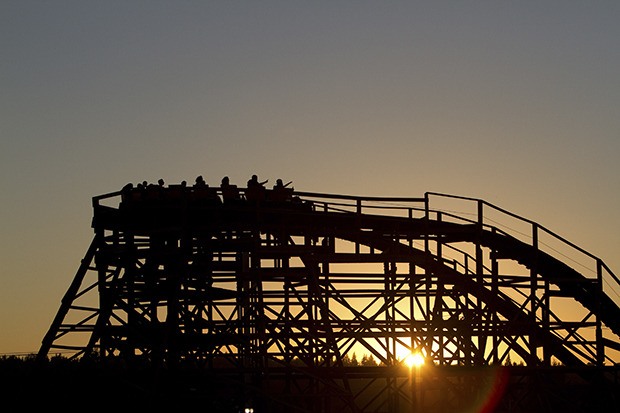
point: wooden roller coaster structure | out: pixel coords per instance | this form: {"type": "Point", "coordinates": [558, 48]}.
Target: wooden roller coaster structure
{"type": "Point", "coordinates": [269, 295]}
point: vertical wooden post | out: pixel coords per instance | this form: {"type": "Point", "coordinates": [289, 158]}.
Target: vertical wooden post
{"type": "Point", "coordinates": [600, 346]}
{"type": "Point", "coordinates": [359, 213]}
{"type": "Point", "coordinates": [533, 285]}
{"type": "Point", "coordinates": [493, 315]}
{"type": "Point", "coordinates": [477, 357]}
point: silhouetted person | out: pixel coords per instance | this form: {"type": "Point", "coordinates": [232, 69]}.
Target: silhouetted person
{"type": "Point", "coordinates": [161, 194]}
{"type": "Point", "coordinates": [253, 182]}
{"type": "Point", "coordinates": [255, 190]}
{"type": "Point", "coordinates": [200, 181]}
{"type": "Point", "coordinates": [230, 192]}
{"type": "Point", "coordinates": [127, 193]}
{"type": "Point", "coordinates": [280, 191]}
{"type": "Point", "coordinates": [153, 192]}
{"type": "Point", "coordinates": [280, 185]}
{"type": "Point", "coordinates": [203, 193]}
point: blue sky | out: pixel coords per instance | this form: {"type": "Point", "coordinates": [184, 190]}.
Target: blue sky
{"type": "Point", "coordinates": [513, 102]}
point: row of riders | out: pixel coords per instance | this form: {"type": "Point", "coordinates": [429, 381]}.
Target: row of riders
{"type": "Point", "coordinates": [201, 192]}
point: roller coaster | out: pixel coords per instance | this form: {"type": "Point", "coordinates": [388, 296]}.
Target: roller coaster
{"type": "Point", "coordinates": [273, 296]}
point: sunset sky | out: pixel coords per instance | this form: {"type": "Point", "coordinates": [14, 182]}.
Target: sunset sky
{"type": "Point", "coordinates": [517, 103]}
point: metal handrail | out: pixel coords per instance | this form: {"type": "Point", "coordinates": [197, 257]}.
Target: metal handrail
{"type": "Point", "coordinates": [535, 226]}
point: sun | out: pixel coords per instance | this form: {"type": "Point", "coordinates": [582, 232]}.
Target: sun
{"type": "Point", "coordinates": [414, 360]}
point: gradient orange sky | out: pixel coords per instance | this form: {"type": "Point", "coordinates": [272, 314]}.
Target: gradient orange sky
{"type": "Point", "coordinates": [516, 103]}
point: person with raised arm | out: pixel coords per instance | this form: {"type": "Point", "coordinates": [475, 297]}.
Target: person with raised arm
{"type": "Point", "coordinates": [280, 192]}
{"type": "Point", "coordinates": [255, 191]}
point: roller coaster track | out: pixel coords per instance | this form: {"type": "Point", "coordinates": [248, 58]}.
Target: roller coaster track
{"type": "Point", "coordinates": [256, 287]}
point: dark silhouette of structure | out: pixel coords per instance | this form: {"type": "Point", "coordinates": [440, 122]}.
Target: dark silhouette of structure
{"type": "Point", "coordinates": [269, 300]}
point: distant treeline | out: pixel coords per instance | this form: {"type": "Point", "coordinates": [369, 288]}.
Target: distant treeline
{"type": "Point", "coordinates": [28, 361]}
{"type": "Point", "coordinates": [90, 384]}
{"type": "Point", "coordinates": [95, 384]}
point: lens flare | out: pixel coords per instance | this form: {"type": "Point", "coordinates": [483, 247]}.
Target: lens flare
{"type": "Point", "coordinates": [414, 360]}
